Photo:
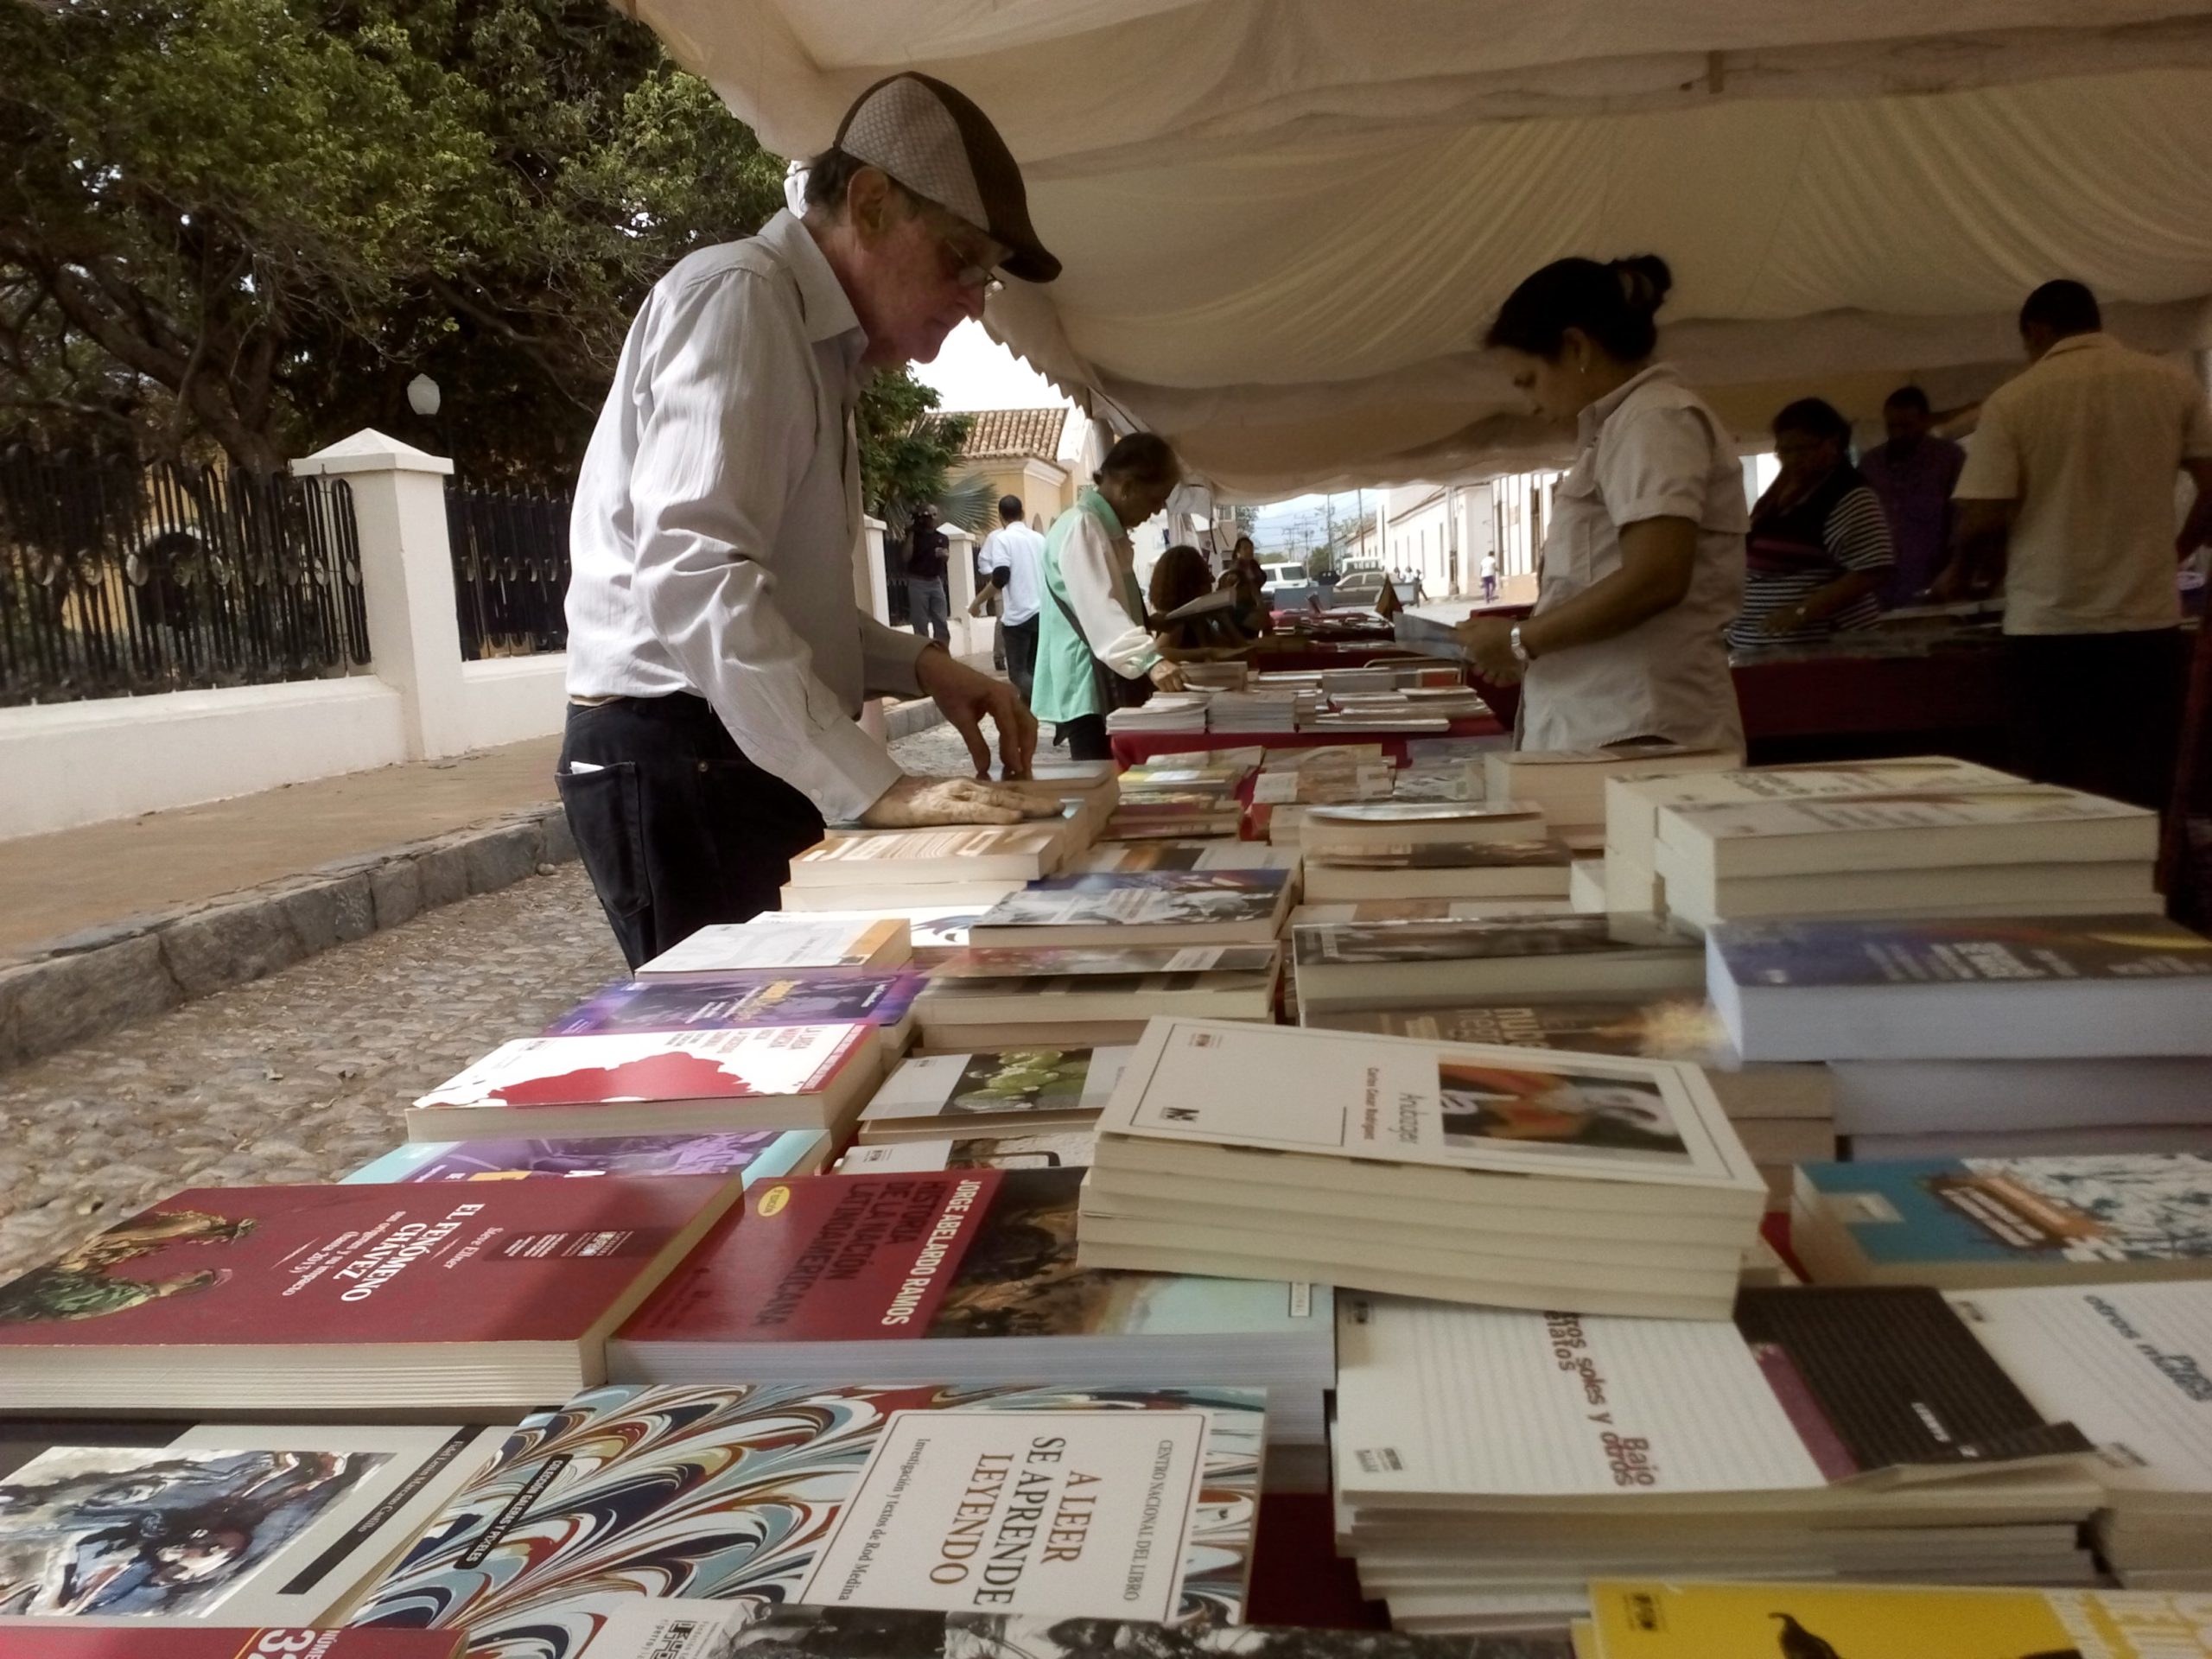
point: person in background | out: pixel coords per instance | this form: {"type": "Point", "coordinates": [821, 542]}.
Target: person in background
{"type": "Point", "coordinates": [716, 662]}
{"type": "Point", "coordinates": [1913, 474]}
{"type": "Point", "coordinates": [1010, 557]}
{"type": "Point", "coordinates": [2069, 494]}
{"type": "Point", "coordinates": [1819, 549]}
{"type": "Point", "coordinates": [1092, 612]}
{"type": "Point", "coordinates": [1179, 578]}
{"type": "Point", "coordinates": [1490, 578]}
{"type": "Point", "coordinates": [928, 605]}
{"type": "Point", "coordinates": [1643, 561]}
{"type": "Point", "coordinates": [990, 600]}
{"type": "Point", "coordinates": [1251, 580]}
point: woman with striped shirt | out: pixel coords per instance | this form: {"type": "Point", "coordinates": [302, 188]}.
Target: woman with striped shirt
{"type": "Point", "coordinates": [1819, 547]}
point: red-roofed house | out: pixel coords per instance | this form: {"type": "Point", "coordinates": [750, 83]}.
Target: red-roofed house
{"type": "Point", "coordinates": [1019, 451]}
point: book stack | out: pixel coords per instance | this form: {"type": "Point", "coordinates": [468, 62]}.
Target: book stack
{"type": "Point", "coordinates": [1358, 826]}
{"type": "Point", "coordinates": [1143, 907]}
{"type": "Point", "coordinates": [832, 1630]}
{"type": "Point", "coordinates": [1436, 782]}
{"type": "Point", "coordinates": [1473, 869]}
{"type": "Point", "coordinates": [658, 1083]}
{"type": "Point", "coordinates": [750, 1155]}
{"type": "Point", "coordinates": [1294, 779]}
{"type": "Point", "coordinates": [1215, 677]}
{"type": "Point", "coordinates": [1499, 1175]}
{"type": "Point", "coordinates": [1463, 962]}
{"type": "Point", "coordinates": [752, 1496]}
{"type": "Point", "coordinates": [1489, 1463]}
{"type": "Point", "coordinates": [409, 1298]}
{"type": "Point", "coordinates": [1634, 801]}
{"type": "Point", "coordinates": [1962, 1109]}
{"type": "Point", "coordinates": [1086, 995]}
{"type": "Point", "coordinates": [1424, 910]}
{"type": "Point", "coordinates": [2029, 850]}
{"type": "Point", "coordinates": [1171, 814]}
{"type": "Point", "coordinates": [1975, 1224]}
{"type": "Point", "coordinates": [1382, 711]}
{"type": "Point", "coordinates": [781, 942]}
{"type": "Point", "coordinates": [996, 1297]}
{"type": "Point", "coordinates": [1163, 711]}
{"type": "Point", "coordinates": [1784, 1115]}
{"type": "Point", "coordinates": [996, 1092]}
{"type": "Point", "coordinates": [1569, 785]}
{"type": "Point", "coordinates": [882, 999]}
{"type": "Point", "coordinates": [2125, 1362]}
{"type": "Point", "coordinates": [1649, 1620]}
{"type": "Point", "coordinates": [1129, 857]}
{"type": "Point", "coordinates": [938, 867]}
{"type": "Point", "coordinates": [1267, 708]}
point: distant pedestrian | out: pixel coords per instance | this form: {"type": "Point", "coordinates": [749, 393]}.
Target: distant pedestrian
{"type": "Point", "coordinates": [929, 609]}
{"type": "Point", "coordinates": [1490, 578]}
{"type": "Point", "coordinates": [1013, 555]}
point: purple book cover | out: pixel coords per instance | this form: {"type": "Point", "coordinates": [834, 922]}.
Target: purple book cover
{"type": "Point", "coordinates": [831, 997]}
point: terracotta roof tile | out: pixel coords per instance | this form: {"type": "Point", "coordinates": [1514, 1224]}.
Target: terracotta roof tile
{"type": "Point", "coordinates": [996, 432]}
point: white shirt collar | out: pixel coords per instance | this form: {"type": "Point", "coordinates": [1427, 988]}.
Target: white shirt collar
{"type": "Point", "coordinates": [1596, 415]}
{"type": "Point", "coordinates": [830, 315]}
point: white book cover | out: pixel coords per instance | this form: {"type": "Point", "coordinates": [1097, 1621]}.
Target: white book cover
{"type": "Point", "coordinates": [2130, 1364]}
{"type": "Point", "coordinates": [994, 1149]}
{"type": "Point", "coordinates": [780, 942]}
{"type": "Point", "coordinates": [948, 1088]}
{"type": "Point", "coordinates": [243, 1523]}
{"type": "Point", "coordinates": [1121, 855]}
{"type": "Point", "coordinates": [1633, 800]}
{"type": "Point", "coordinates": [1436, 1399]}
{"type": "Point", "coordinates": [929, 849]}
{"type": "Point", "coordinates": [2026, 806]}
{"type": "Point", "coordinates": [1348, 1094]}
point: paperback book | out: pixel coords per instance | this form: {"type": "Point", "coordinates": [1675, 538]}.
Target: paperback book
{"type": "Point", "coordinates": [751, 1155]}
{"type": "Point", "coordinates": [883, 999]}
{"type": "Point", "coordinates": [1026, 1090]}
{"type": "Point", "coordinates": [898, 1495]}
{"type": "Point", "coordinates": [1987, 1222]}
{"type": "Point", "coordinates": [356, 1298]}
{"type": "Point", "coordinates": [1188, 907]}
{"type": "Point", "coordinates": [1020, 852]}
{"type": "Point", "coordinates": [84, 1638]}
{"type": "Point", "coordinates": [1056, 1149]}
{"type": "Point", "coordinates": [646, 1082]}
{"type": "Point", "coordinates": [1480, 869]}
{"type": "Point", "coordinates": [777, 942]}
{"type": "Point", "coordinates": [1386, 964]}
{"type": "Point", "coordinates": [847, 1633]}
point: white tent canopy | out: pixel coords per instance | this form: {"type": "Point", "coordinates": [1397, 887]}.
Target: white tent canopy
{"type": "Point", "coordinates": [1285, 223]}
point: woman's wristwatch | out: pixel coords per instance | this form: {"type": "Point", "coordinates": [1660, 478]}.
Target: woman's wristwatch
{"type": "Point", "coordinates": [1520, 651]}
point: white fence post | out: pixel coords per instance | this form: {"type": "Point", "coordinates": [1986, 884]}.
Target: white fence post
{"type": "Point", "coordinates": [399, 513]}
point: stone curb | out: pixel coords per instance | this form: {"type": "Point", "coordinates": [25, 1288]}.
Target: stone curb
{"type": "Point", "coordinates": [86, 984]}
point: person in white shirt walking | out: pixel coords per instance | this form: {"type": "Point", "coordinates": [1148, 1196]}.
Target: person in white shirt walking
{"type": "Point", "coordinates": [1009, 561]}
{"type": "Point", "coordinates": [716, 664]}
{"type": "Point", "coordinates": [2068, 491]}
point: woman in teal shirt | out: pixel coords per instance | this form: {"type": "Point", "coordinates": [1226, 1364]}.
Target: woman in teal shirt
{"type": "Point", "coordinates": [1093, 609]}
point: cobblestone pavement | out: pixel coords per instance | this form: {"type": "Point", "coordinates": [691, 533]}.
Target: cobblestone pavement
{"type": "Point", "coordinates": [301, 1076]}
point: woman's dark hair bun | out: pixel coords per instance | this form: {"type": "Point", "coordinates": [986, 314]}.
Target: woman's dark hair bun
{"type": "Point", "coordinates": [1644, 280]}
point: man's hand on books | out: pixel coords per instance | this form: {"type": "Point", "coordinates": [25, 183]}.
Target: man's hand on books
{"type": "Point", "coordinates": [1488, 641]}
{"type": "Point", "coordinates": [1168, 676]}
{"type": "Point", "coordinates": [966, 697]}
{"type": "Point", "coordinates": [914, 801]}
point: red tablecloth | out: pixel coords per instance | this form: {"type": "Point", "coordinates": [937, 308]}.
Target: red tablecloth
{"type": "Point", "coordinates": [1134, 748]}
{"type": "Point", "coordinates": [1296, 1576]}
{"type": "Point", "coordinates": [1309, 655]}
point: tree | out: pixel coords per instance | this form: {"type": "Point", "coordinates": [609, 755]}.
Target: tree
{"type": "Point", "coordinates": [249, 223]}
{"type": "Point", "coordinates": [908, 448]}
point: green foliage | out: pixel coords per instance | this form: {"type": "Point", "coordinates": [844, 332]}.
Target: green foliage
{"type": "Point", "coordinates": [907, 448]}
{"type": "Point", "coordinates": [250, 222]}
{"type": "Point", "coordinates": [970, 501]}
{"type": "Point", "coordinates": [1321, 562]}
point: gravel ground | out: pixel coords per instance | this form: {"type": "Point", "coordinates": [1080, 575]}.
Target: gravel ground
{"type": "Point", "coordinates": [301, 1076]}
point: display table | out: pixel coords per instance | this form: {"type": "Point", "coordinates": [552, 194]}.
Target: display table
{"type": "Point", "coordinates": [1135, 748]}
{"type": "Point", "coordinates": [1844, 706]}
{"type": "Point", "coordinates": [1297, 1578]}
{"type": "Point", "coordinates": [1309, 655]}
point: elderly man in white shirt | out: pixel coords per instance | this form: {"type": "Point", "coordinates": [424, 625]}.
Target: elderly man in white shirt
{"type": "Point", "coordinates": [716, 661]}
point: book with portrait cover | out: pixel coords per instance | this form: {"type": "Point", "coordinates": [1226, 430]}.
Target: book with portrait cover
{"type": "Point", "coordinates": [962, 1275]}
{"type": "Point", "coordinates": [437, 1298]}
{"type": "Point", "coordinates": [779, 942]}
{"type": "Point", "coordinates": [884, 999]}
{"type": "Point", "coordinates": [240, 1524]}
{"type": "Point", "coordinates": [1639, 1620]}
{"type": "Point", "coordinates": [655, 1082]}
{"type": "Point", "coordinates": [752, 1155]}
{"type": "Point", "coordinates": [913, 1495]}
{"type": "Point", "coordinates": [1001, 1090]}
{"type": "Point", "coordinates": [1387, 964]}
{"type": "Point", "coordinates": [1972, 1223]}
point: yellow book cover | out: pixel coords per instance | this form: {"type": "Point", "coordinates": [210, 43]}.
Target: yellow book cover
{"type": "Point", "coordinates": [1634, 1620]}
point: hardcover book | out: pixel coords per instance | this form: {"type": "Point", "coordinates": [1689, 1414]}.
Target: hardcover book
{"type": "Point", "coordinates": [753, 1154]}
{"type": "Point", "coordinates": [359, 1298]}
{"type": "Point", "coordinates": [885, 1000]}
{"type": "Point", "coordinates": [629, 1083]}
{"type": "Point", "coordinates": [913, 1496]}
{"type": "Point", "coordinates": [1813, 1621]}
{"type": "Point", "coordinates": [1976, 1222]}
{"type": "Point", "coordinates": [1025, 1090]}
{"type": "Point", "coordinates": [246, 1524]}
{"type": "Point", "coordinates": [779, 942]}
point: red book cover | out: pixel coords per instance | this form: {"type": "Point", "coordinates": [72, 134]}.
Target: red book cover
{"type": "Point", "coordinates": [521, 1261]}
{"type": "Point", "coordinates": [824, 1258]}
{"type": "Point", "coordinates": [655, 1065]}
{"type": "Point", "coordinates": [64, 1638]}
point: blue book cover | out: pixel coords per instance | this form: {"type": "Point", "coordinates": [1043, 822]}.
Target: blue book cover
{"type": "Point", "coordinates": [2029, 1212]}
{"type": "Point", "coordinates": [829, 997]}
{"type": "Point", "coordinates": [758, 1155]}
{"type": "Point", "coordinates": [2003, 950]}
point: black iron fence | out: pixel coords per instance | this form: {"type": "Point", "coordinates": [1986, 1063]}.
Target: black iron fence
{"type": "Point", "coordinates": [509, 570]}
{"type": "Point", "coordinates": [118, 579]}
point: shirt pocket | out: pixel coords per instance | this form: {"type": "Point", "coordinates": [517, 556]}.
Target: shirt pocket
{"type": "Point", "coordinates": [1576, 531]}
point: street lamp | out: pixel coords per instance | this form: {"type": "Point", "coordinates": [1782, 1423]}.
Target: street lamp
{"type": "Point", "coordinates": [422, 395]}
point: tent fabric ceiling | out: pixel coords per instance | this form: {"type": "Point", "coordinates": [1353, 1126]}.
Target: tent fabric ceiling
{"type": "Point", "coordinates": [1286, 222]}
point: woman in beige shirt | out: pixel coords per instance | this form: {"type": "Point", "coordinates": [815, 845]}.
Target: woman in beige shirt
{"type": "Point", "coordinates": [1643, 564]}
